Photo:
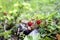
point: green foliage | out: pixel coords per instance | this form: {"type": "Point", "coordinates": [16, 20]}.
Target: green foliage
{"type": "Point", "coordinates": [45, 10]}
{"type": "Point", "coordinates": [33, 37]}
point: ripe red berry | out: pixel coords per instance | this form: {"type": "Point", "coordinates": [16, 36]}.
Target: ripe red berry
{"type": "Point", "coordinates": [29, 23]}
{"type": "Point", "coordinates": [5, 13]}
{"type": "Point", "coordinates": [38, 22]}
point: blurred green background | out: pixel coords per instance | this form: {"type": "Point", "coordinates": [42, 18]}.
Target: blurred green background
{"type": "Point", "coordinates": [29, 7]}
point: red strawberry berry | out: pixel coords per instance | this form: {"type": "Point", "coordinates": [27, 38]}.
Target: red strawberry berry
{"type": "Point", "coordinates": [29, 23]}
{"type": "Point", "coordinates": [38, 22]}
